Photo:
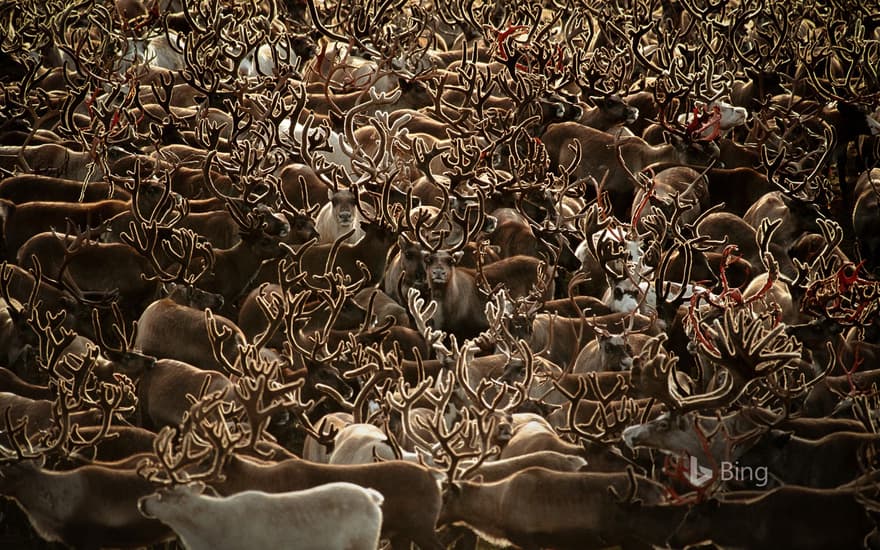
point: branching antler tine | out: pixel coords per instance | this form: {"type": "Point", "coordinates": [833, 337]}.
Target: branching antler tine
{"type": "Point", "coordinates": [316, 19]}
{"type": "Point", "coordinates": [6, 274]}
{"type": "Point", "coordinates": [461, 376]}
{"type": "Point", "coordinates": [14, 431]}
{"type": "Point", "coordinates": [362, 399]}
{"type": "Point", "coordinates": [78, 440]}
{"type": "Point", "coordinates": [276, 312]}
{"type": "Point", "coordinates": [189, 243]}
{"type": "Point", "coordinates": [222, 442]}
{"type": "Point", "coordinates": [152, 469]}
{"type": "Point", "coordinates": [245, 221]}
{"type": "Point", "coordinates": [522, 387]}
{"type": "Point", "coordinates": [575, 399]}
{"type": "Point", "coordinates": [593, 385]}
{"type": "Point", "coordinates": [764, 234]}
{"type": "Point", "coordinates": [444, 388]}
{"type": "Point", "coordinates": [204, 432]}
{"type": "Point", "coordinates": [721, 396]}
{"type": "Point", "coordinates": [125, 342]}
{"type": "Point", "coordinates": [482, 389]}
{"type": "Point", "coordinates": [258, 415]}
{"type": "Point", "coordinates": [404, 406]}
{"type": "Point", "coordinates": [577, 395]}
{"type": "Point", "coordinates": [326, 438]}
{"type": "Point", "coordinates": [219, 335]}
{"type": "Point", "coordinates": [334, 394]}
{"type": "Point", "coordinates": [486, 426]}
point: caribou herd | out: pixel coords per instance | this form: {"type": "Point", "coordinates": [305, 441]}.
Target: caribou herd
{"type": "Point", "coordinates": [343, 274]}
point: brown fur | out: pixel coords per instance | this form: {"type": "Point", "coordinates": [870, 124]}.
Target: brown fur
{"type": "Point", "coordinates": [539, 508]}
{"type": "Point", "coordinates": [89, 507]}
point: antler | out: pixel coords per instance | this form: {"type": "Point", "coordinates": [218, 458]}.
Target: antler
{"type": "Point", "coordinates": [403, 400]}
{"type": "Point", "coordinates": [469, 438]}
{"type": "Point", "coordinates": [52, 337]}
{"type": "Point", "coordinates": [20, 312]}
{"type": "Point", "coordinates": [205, 433]}
{"type": "Point", "coordinates": [748, 347]}
{"type": "Point", "coordinates": [124, 338]}
{"type": "Point", "coordinates": [262, 395]}
{"type": "Point", "coordinates": [16, 432]}
{"type": "Point", "coordinates": [146, 235]}
{"type": "Point", "coordinates": [607, 427]}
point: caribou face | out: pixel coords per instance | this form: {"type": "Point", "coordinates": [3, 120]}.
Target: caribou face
{"type": "Point", "coordinates": [344, 204]}
{"type": "Point", "coordinates": [440, 266]}
{"type": "Point", "coordinates": [667, 432]}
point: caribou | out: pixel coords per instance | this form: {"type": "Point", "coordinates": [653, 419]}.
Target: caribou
{"type": "Point", "coordinates": [230, 228]}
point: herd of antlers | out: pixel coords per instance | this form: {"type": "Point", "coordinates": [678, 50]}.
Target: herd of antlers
{"type": "Point", "coordinates": [453, 234]}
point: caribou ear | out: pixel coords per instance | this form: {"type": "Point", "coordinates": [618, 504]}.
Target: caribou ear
{"type": "Point", "coordinates": [683, 421]}
{"type": "Point", "coordinates": [559, 109]}
{"type": "Point", "coordinates": [490, 224]}
{"type": "Point", "coordinates": [456, 256]}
